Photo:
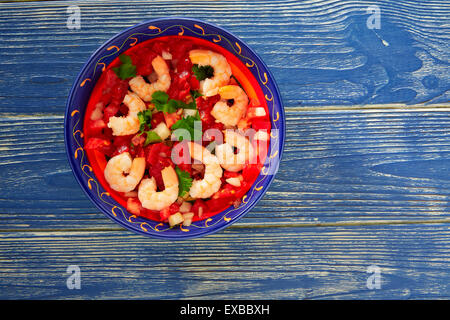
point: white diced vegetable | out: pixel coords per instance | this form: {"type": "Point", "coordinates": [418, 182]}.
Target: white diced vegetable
{"type": "Point", "coordinates": [166, 55]}
{"type": "Point", "coordinates": [256, 112]}
{"type": "Point", "coordinates": [189, 112]}
{"type": "Point", "coordinates": [175, 219]}
{"type": "Point", "coordinates": [185, 207]}
{"type": "Point", "coordinates": [97, 113]}
{"type": "Point", "coordinates": [261, 135]}
{"type": "Point", "coordinates": [187, 218]}
{"type": "Point", "coordinates": [235, 181]}
{"type": "Point", "coordinates": [162, 131]}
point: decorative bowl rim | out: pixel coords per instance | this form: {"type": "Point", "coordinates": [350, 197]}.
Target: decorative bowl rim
{"type": "Point", "coordinates": [71, 134]}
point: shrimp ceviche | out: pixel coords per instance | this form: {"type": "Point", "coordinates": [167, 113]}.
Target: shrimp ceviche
{"type": "Point", "coordinates": [175, 130]}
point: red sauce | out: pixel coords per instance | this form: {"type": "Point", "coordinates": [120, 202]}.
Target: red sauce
{"type": "Point", "coordinates": [108, 95]}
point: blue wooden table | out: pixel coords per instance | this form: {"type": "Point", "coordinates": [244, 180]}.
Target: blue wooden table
{"type": "Point", "coordinates": [363, 190]}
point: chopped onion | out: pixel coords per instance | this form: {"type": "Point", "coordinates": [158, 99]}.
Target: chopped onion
{"type": "Point", "coordinates": [188, 215]}
{"type": "Point", "coordinates": [185, 207]}
{"type": "Point", "coordinates": [166, 55]}
{"type": "Point", "coordinates": [234, 181]}
{"type": "Point", "coordinates": [261, 135]}
{"type": "Point", "coordinates": [162, 131]}
{"type": "Point", "coordinates": [97, 114]}
{"type": "Point", "coordinates": [175, 219]}
{"type": "Point", "coordinates": [187, 218]}
{"type": "Point", "coordinates": [189, 112]}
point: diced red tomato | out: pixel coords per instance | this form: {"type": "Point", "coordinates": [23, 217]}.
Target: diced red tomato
{"type": "Point", "coordinates": [219, 203]}
{"type": "Point", "coordinates": [263, 124]}
{"type": "Point", "coordinates": [229, 174]}
{"type": "Point", "coordinates": [110, 111]}
{"type": "Point", "coordinates": [164, 214]}
{"type": "Point", "coordinates": [134, 206]}
{"type": "Point", "coordinates": [251, 171]}
{"type": "Point", "coordinates": [171, 118]}
{"type": "Point", "coordinates": [199, 203]}
{"type": "Point", "coordinates": [167, 212]}
{"type": "Point", "coordinates": [119, 141]}
{"type": "Point", "coordinates": [95, 127]}
{"type": "Point", "coordinates": [101, 145]}
{"type": "Point", "coordinates": [157, 118]}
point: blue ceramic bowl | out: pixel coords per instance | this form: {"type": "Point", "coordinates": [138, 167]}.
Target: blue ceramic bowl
{"type": "Point", "coordinates": [85, 82]}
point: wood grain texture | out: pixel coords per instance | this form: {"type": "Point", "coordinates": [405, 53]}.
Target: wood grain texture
{"type": "Point", "coordinates": [364, 180]}
{"type": "Point", "coordinates": [338, 167]}
{"type": "Point", "coordinates": [267, 263]}
{"type": "Point", "coordinates": [320, 51]}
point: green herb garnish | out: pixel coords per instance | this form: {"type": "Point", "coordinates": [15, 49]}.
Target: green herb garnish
{"type": "Point", "coordinates": [152, 137]}
{"type": "Point", "coordinates": [162, 103]}
{"type": "Point", "coordinates": [145, 118]}
{"type": "Point", "coordinates": [188, 124]}
{"type": "Point", "coordinates": [202, 72]}
{"type": "Point", "coordinates": [126, 69]}
{"type": "Point", "coordinates": [184, 181]}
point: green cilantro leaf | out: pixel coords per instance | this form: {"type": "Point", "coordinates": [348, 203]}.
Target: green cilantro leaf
{"type": "Point", "coordinates": [188, 124]}
{"type": "Point", "coordinates": [145, 118]}
{"type": "Point", "coordinates": [195, 94]}
{"type": "Point", "coordinates": [152, 137]}
{"type": "Point", "coordinates": [126, 69]}
{"type": "Point", "coordinates": [202, 72]}
{"type": "Point", "coordinates": [184, 181]}
{"type": "Point", "coordinates": [162, 103]}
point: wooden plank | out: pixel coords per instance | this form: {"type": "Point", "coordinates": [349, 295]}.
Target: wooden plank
{"type": "Point", "coordinates": [245, 263]}
{"type": "Point", "coordinates": [321, 53]}
{"type": "Point", "coordinates": [339, 166]}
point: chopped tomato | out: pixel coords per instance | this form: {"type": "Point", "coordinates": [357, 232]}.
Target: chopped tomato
{"type": "Point", "coordinates": [134, 206]}
{"type": "Point", "coordinates": [251, 171]}
{"type": "Point", "coordinates": [219, 204]}
{"type": "Point", "coordinates": [171, 118]}
{"type": "Point", "coordinates": [101, 145]}
{"type": "Point", "coordinates": [110, 111]}
{"type": "Point", "coordinates": [258, 124]}
{"type": "Point", "coordinates": [157, 118]}
{"type": "Point", "coordinates": [95, 127]}
{"type": "Point", "coordinates": [199, 207]}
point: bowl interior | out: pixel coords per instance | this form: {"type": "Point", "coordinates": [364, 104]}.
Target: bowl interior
{"type": "Point", "coordinates": [85, 82]}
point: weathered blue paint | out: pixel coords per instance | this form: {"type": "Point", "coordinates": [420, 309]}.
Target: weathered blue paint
{"type": "Point", "coordinates": [376, 175]}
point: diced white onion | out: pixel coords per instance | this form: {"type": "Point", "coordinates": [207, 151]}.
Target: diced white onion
{"type": "Point", "coordinates": [97, 113]}
{"type": "Point", "coordinates": [260, 112]}
{"type": "Point", "coordinates": [175, 219]}
{"type": "Point", "coordinates": [185, 207]}
{"type": "Point", "coordinates": [162, 131]}
{"type": "Point", "coordinates": [235, 181]}
{"type": "Point", "coordinates": [188, 215]}
{"type": "Point", "coordinates": [261, 135]}
{"type": "Point", "coordinates": [166, 55]}
{"type": "Point", "coordinates": [189, 112]}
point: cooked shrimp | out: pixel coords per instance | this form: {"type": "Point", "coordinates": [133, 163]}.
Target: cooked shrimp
{"type": "Point", "coordinates": [122, 173]}
{"type": "Point", "coordinates": [122, 126]}
{"type": "Point", "coordinates": [225, 114]}
{"type": "Point", "coordinates": [222, 70]}
{"type": "Point", "coordinates": [158, 200]}
{"type": "Point", "coordinates": [225, 152]}
{"type": "Point", "coordinates": [211, 182]}
{"type": "Point", "coordinates": [144, 89]}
